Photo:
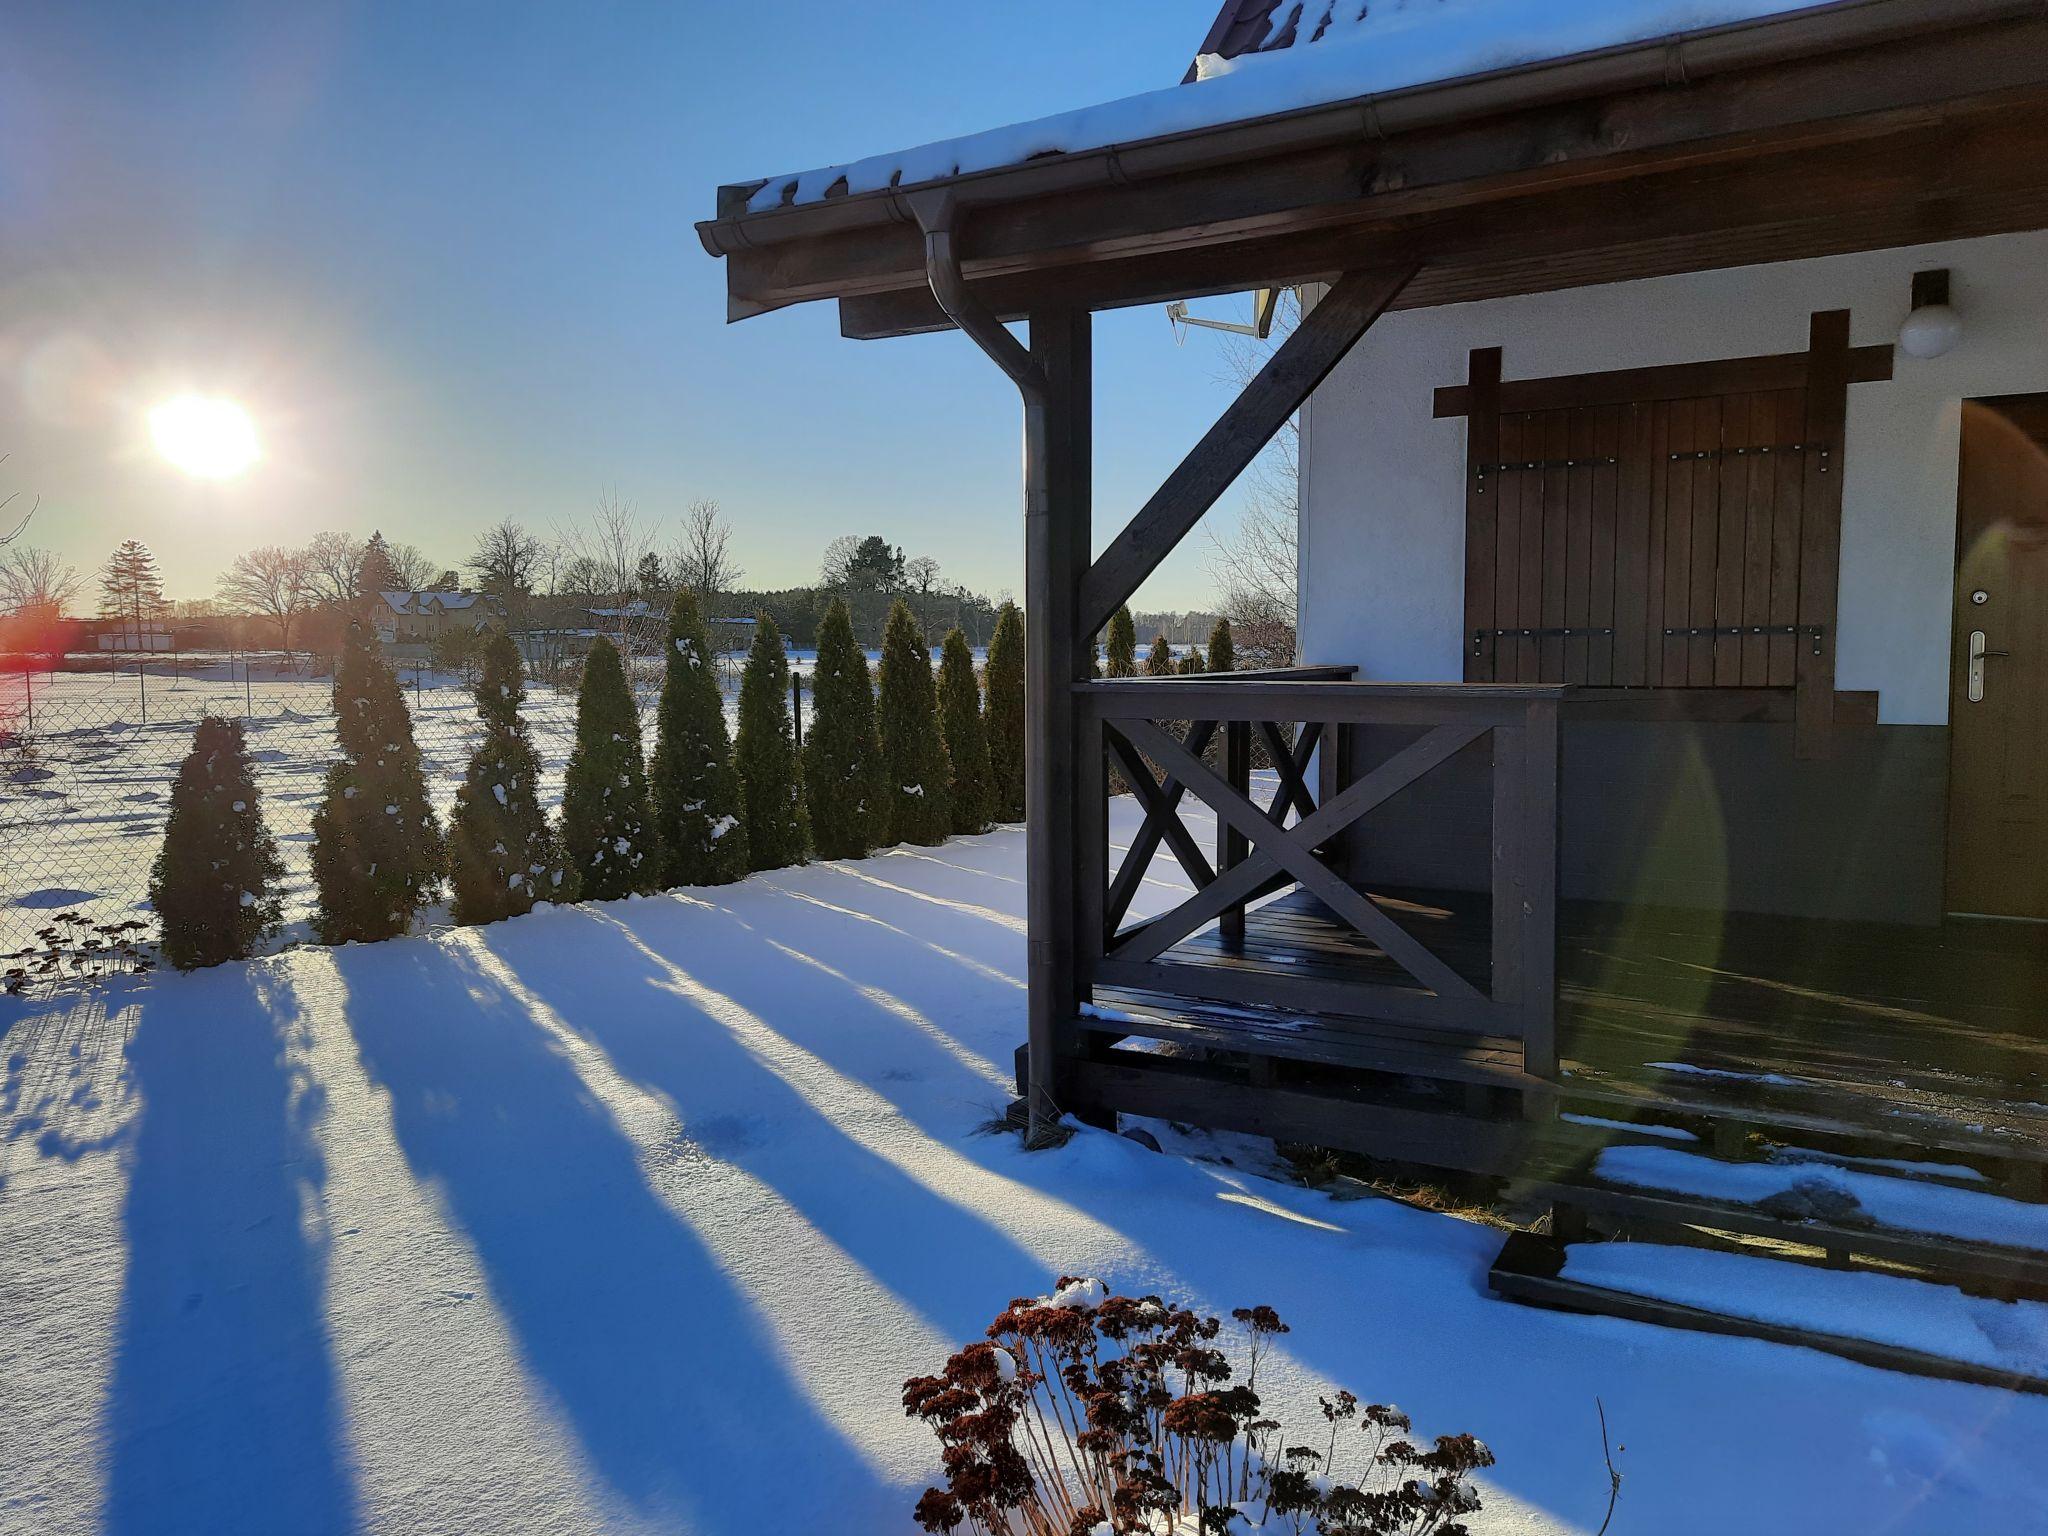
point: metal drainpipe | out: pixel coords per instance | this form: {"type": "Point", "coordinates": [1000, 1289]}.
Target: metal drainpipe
{"type": "Point", "coordinates": [937, 215]}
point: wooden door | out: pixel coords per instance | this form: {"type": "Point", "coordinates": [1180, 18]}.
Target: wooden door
{"type": "Point", "coordinates": [1998, 712]}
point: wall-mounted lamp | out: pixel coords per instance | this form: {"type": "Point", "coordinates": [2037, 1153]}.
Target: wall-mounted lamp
{"type": "Point", "coordinates": [1932, 328]}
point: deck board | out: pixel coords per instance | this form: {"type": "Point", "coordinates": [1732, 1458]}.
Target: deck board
{"type": "Point", "coordinates": [1938, 1036]}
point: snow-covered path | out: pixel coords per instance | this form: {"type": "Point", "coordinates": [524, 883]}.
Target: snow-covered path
{"type": "Point", "coordinates": [634, 1218]}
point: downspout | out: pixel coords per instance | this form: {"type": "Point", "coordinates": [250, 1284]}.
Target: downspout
{"type": "Point", "coordinates": [937, 215]}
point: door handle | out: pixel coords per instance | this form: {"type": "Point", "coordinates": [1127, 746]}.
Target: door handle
{"type": "Point", "coordinates": [1979, 654]}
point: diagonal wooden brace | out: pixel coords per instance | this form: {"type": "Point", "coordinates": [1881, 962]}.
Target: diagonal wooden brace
{"type": "Point", "coordinates": [1293, 849]}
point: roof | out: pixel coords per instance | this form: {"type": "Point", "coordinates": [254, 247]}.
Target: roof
{"type": "Point", "coordinates": [1258, 62]}
{"type": "Point", "coordinates": [423, 602]}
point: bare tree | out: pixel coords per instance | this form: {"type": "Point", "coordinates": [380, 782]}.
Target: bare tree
{"type": "Point", "coordinates": [702, 559]}
{"type": "Point", "coordinates": [613, 540]}
{"type": "Point", "coordinates": [1256, 564]}
{"type": "Point", "coordinates": [11, 534]}
{"type": "Point", "coordinates": [35, 581]}
{"type": "Point", "coordinates": [833, 570]}
{"type": "Point", "coordinates": [921, 576]}
{"type": "Point", "coordinates": [409, 563]}
{"type": "Point", "coordinates": [273, 583]}
{"type": "Point", "coordinates": [334, 563]}
{"type": "Point", "coordinates": [504, 563]}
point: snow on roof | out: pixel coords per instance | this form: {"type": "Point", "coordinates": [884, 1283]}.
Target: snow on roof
{"type": "Point", "coordinates": [418, 602]}
{"type": "Point", "coordinates": [1363, 48]}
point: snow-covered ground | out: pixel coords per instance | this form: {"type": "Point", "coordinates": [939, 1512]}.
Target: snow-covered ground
{"type": "Point", "coordinates": [635, 1217]}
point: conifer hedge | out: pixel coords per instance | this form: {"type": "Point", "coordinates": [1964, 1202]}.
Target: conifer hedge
{"type": "Point", "coordinates": [917, 778]}
{"type": "Point", "coordinates": [502, 854]}
{"type": "Point", "coordinates": [1005, 720]}
{"type": "Point", "coordinates": [778, 828]}
{"type": "Point", "coordinates": [607, 824]}
{"type": "Point", "coordinates": [1222, 648]}
{"type": "Point", "coordinates": [698, 808]}
{"type": "Point", "coordinates": [1160, 663]}
{"type": "Point", "coordinates": [966, 741]}
{"type": "Point", "coordinates": [1121, 653]}
{"type": "Point", "coordinates": [842, 753]}
{"type": "Point", "coordinates": [214, 883]}
{"type": "Point", "coordinates": [377, 847]}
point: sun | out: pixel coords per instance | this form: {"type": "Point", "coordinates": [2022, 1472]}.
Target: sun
{"type": "Point", "coordinates": [206, 436]}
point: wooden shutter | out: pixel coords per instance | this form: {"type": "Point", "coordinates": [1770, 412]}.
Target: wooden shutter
{"type": "Point", "coordinates": [1658, 528]}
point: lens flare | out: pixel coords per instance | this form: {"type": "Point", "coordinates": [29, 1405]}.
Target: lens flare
{"type": "Point", "coordinates": [205, 436]}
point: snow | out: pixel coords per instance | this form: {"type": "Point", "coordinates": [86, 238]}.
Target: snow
{"type": "Point", "coordinates": [1889, 1309]}
{"type": "Point", "coordinates": [498, 793]}
{"type": "Point", "coordinates": [1909, 1205]}
{"type": "Point", "coordinates": [633, 1217]}
{"type": "Point", "coordinates": [1367, 51]}
{"type": "Point", "coordinates": [1633, 1127]}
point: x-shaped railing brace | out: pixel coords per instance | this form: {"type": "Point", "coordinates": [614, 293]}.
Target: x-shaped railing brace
{"type": "Point", "coordinates": [1277, 848]}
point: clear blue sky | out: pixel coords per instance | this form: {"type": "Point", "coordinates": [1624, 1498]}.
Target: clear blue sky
{"type": "Point", "coordinates": [443, 252]}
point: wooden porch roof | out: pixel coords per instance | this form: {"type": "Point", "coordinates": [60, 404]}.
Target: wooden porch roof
{"type": "Point", "coordinates": [1852, 126]}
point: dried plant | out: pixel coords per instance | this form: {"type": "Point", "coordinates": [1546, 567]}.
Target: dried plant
{"type": "Point", "coordinates": [1088, 1414]}
{"type": "Point", "coordinates": [74, 949]}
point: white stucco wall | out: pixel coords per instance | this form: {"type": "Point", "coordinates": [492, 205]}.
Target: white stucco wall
{"type": "Point", "coordinates": [1382, 547]}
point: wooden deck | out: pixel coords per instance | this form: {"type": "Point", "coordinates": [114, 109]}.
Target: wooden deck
{"type": "Point", "coordinates": [1934, 1037]}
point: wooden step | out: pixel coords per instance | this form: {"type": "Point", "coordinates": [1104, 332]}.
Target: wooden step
{"type": "Point", "coordinates": [1531, 1269]}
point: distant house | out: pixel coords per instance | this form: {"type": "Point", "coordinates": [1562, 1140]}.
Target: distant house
{"type": "Point", "coordinates": [421, 618]}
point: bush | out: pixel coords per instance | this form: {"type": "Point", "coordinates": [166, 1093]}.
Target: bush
{"type": "Point", "coordinates": [1005, 720]}
{"type": "Point", "coordinates": [842, 754]}
{"type": "Point", "coordinates": [917, 778]}
{"type": "Point", "coordinates": [697, 805]}
{"type": "Point", "coordinates": [966, 741]}
{"type": "Point", "coordinates": [1222, 648]}
{"type": "Point", "coordinates": [778, 827]}
{"type": "Point", "coordinates": [1172, 1443]}
{"type": "Point", "coordinates": [607, 825]}
{"type": "Point", "coordinates": [502, 854]}
{"type": "Point", "coordinates": [1121, 659]}
{"type": "Point", "coordinates": [377, 849]}
{"type": "Point", "coordinates": [1159, 662]}
{"type": "Point", "coordinates": [456, 649]}
{"type": "Point", "coordinates": [214, 883]}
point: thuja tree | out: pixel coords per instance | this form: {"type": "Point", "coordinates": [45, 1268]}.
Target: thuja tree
{"type": "Point", "coordinates": [697, 806]}
{"type": "Point", "coordinates": [1222, 649]}
{"type": "Point", "coordinates": [215, 877]}
{"type": "Point", "coordinates": [607, 824]}
{"type": "Point", "coordinates": [842, 756]}
{"type": "Point", "coordinates": [966, 741]}
{"type": "Point", "coordinates": [918, 779]}
{"type": "Point", "coordinates": [1159, 662]}
{"type": "Point", "coordinates": [1121, 653]}
{"type": "Point", "coordinates": [1193, 662]}
{"type": "Point", "coordinates": [778, 830]}
{"type": "Point", "coordinates": [377, 850]}
{"type": "Point", "coordinates": [502, 854]}
{"type": "Point", "coordinates": [1005, 720]}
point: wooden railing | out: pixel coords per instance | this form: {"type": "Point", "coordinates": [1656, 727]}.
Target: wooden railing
{"type": "Point", "coordinates": [1171, 738]}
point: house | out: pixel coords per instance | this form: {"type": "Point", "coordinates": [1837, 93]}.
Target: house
{"type": "Point", "coordinates": [1671, 755]}
{"type": "Point", "coordinates": [421, 618]}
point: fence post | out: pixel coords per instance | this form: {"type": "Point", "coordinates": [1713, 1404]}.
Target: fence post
{"type": "Point", "coordinates": [248, 691]}
{"type": "Point", "coordinates": [28, 693]}
{"type": "Point", "coordinates": [796, 704]}
{"type": "Point", "coordinates": [142, 682]}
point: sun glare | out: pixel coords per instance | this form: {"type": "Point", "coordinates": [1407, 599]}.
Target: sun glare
{"type": "Point", "coordinates": [205, 436]}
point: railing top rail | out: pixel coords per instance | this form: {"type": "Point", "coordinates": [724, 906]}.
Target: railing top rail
{"type": "Point", "coordinates": [1285, 699]}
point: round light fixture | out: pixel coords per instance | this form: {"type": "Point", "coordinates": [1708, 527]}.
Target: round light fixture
{"type": "Point", "coordinates": [1930, 330]}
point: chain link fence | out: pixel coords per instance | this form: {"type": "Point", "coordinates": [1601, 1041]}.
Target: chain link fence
{"type": "Point", "coordinates": [89, 747]}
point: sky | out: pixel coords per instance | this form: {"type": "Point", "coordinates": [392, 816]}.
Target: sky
{"type": "Point", "coordinates": [443, 254]}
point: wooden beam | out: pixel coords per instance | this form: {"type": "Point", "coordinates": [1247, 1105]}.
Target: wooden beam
{"type": "Point", "coordinates": [1290, 376]}
{"type": "Point", "coordinates": [1058, 453]}
{"type": "Point", "coordinates": [1820, 531]}
{"type": "Point", "coordinates": [1676, 381]}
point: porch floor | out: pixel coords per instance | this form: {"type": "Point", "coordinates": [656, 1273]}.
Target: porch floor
{"type": "Point", "coordinates": [1934, 1035]}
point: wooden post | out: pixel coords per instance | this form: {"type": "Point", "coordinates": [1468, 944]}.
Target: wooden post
{"type": "Point", "coordinates": [1827, 405]}
{"type": "Point", "coordinates": [1057, 452]}
{"type": "Point", "coordinates": [1231, 844]}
